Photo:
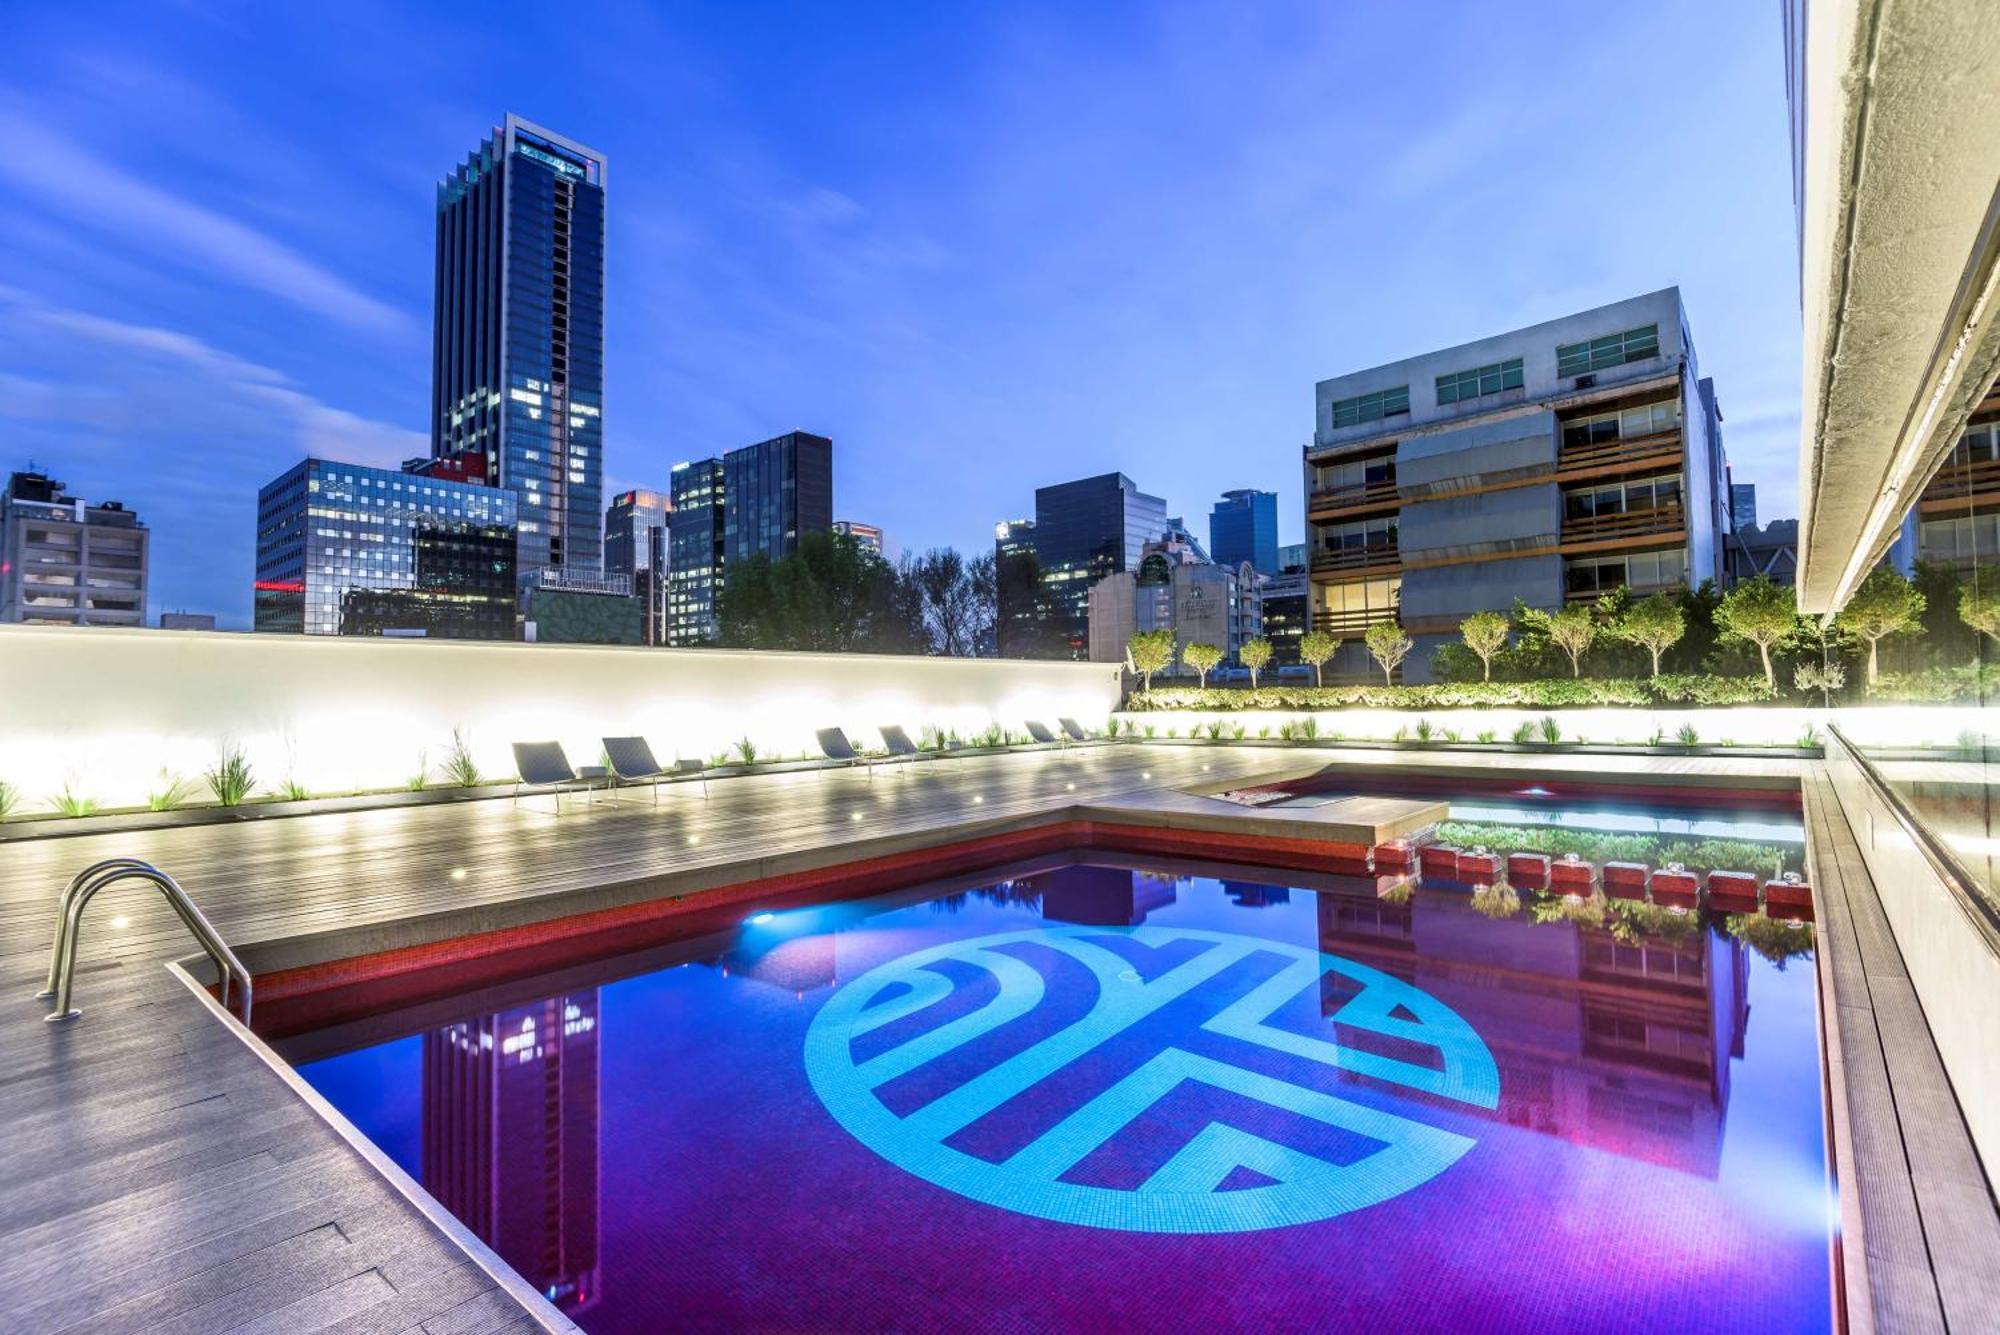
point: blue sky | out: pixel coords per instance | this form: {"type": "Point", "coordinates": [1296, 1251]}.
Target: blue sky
{"type": "Point", "coordinates": [984, 248]}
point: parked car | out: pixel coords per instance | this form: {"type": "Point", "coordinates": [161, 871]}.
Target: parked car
{"type": "Point", "coordinates": [1295, 672]}
{"type": "Point", "coordinates": [1229, 674]}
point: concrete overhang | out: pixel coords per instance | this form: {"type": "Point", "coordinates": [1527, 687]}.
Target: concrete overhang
{"type": "Point", "coordinates": [1900, 265]}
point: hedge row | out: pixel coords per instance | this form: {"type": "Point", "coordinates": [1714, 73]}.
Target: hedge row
{"type": "Point", "coordinates": [1969, 683]}
{"type": "Point", "coordinates": [1548, 694]}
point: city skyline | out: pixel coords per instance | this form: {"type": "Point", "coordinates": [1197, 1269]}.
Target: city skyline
{"type": "Point", "coordinates": [769, 270]}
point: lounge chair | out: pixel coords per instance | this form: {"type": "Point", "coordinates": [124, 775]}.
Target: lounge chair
{"type": "Point", "coordinates": [542, 766]}
{"type": "Point", "coordinates": [833, 744]}
{"type": "Point", "coordinates": [1040, 732]}
{"type": "Point", "coordinates": [632, 762]}
{"type": "Point", "coordinates": [698, 769]}
{"type": "Point", "coordinates": [1075, 732]}
{"type": "Point", "coordinates": [900, 747]}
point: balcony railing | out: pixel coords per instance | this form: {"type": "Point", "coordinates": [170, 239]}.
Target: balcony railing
{"type": "Point", "coordinates": [1350, 624]}
{"type": "Point", "coordinates": [1631, 524]}
{"type": "Point", "coordinates": [1354, 560]}
{"type": "Point", "coordinates": [1353, 497]}
{"type": "Point", "coordinates": [1608, 453]}
{"type": "Point", "coordinates": [1957, 481]}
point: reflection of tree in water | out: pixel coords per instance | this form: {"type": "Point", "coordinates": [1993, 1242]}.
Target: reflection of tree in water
{"type": "Point", "coordinates": [1400, 892]}
{"type": "Point", "coordinates": [1006, 894]}
{"type": "Point", "coordinates": [1633, 921]}
{"type": "Point", "coordinates": [1496, 901]}
{"type": "Point", "coordinates": [1583, 910]}
{"type": "Point", "coordinates": [1775, 939]}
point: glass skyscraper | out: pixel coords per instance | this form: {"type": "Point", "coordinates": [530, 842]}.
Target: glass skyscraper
{"type": "Point", "coordinates": [1085, 530]}
{"type": "Point", "coordinates": [773, 491]}
{"type": "Point", "coordinates": [1242, 527]}
{"type": "Point", "coordinates": [518, 349]}
{"type": "Point", "coordinates": [694, 552]}
{"type": "Point", "coordinates": [635, 545]}
{"type": "Point", "coordinates": [345, 549]}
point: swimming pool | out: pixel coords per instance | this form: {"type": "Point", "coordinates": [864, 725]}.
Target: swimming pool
{"type": "Point", "coordinates": [1134, 1094]}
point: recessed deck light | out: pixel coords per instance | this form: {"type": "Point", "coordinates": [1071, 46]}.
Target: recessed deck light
{"type": "Point", "coordinates": [1070, 786]}
{"type": "Point", "coordinates": [121, 922]}
{"type": "Point", "coordinates": [458, 873]}
{"type": "Point", "coordinates": [854, 815]}
{"type": "Point", "coordinates": [978, 798]}
{"type": "Point", "coordinates": [694, 839]}
{"type": "Point", "coordinates": [1146, 774]}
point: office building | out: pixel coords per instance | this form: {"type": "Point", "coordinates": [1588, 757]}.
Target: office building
{"type": "Point", "coordinates": [1174, 588]}
{"type": "Point", "coordinates": [187, 621]}
{"type": "Point", "coordinates": [635, 547]}
{"type": "Point", "coordinates": [1550, 465]}
{"type": "Point", "coordinates": [345, 549]}
{"type": "Point", "coordinates": [511, 1115]}
{"type": "Point", "coordinates": [1243, 527]}
{"type": "Point", "coordinates": [1771, 551]}
{"type": "Point", "coordinates": [1022, 621]}
{"type": "Point", "coordinates": [868, 535]}
{"type": "Point", "coordinates": [1286, 598]}
{"type": "Point", "coordinates": [562, 607]}
{"type": "Point", "coordinates": [1743, 505]}
{"type": "Point", "coordinates": [67, 563]}
{"type": "Point", "coordinates": [1292, 556]}
{"type": "Point", "coordinates": [753, 501]}
{"type": "Point", "coordinates": [518, 339]}
{"type": "Point", "coordinates": [1083, 531]}
{"type": "Point", "coordinates": [694, 553]}
{"type": "Point", "coordinates": [774, 491]}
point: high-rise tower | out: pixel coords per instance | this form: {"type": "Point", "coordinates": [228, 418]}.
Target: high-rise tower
{"type": "Point", "coordinates": [518, 346]}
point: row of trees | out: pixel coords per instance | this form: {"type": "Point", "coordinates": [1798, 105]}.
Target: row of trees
{"type": "Point", "coordinates": [1151, 651]}
{"type": "Point", "coordinates": [833, 594]}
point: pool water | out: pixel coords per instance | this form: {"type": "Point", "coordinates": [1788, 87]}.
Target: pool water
{"type": "Point", "coordinates": [1117, 1097]}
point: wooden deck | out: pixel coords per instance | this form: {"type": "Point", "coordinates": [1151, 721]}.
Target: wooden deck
{"type": "Point", "coordinates": [160, 1174]}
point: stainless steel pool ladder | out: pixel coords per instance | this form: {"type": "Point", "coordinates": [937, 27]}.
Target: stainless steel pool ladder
{"type": "Point", "coordinates": [69, 919]}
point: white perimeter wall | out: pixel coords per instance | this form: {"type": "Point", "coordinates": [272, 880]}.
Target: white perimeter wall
{"type": "Point", "coordinates": [109, 708]}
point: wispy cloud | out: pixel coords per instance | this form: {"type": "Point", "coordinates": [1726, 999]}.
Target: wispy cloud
{"type": "Point", "coordinates": [61, 175]}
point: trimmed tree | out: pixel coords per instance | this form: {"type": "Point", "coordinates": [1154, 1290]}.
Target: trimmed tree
{"type": "Point", "coordinates": [1656, 624]}
{"type": "Point", "coordinates": [1202, 658]}
{"type": "Point", "coordinates": [1388, 646]}
{"type": "Point", "coordinates": [1485, 633]}
{"type": "Point", "coordinates": [1761, 613]}
{"type": "Point", "coordinates": [1150, 651]}
{"type": "Point", "coordinates": [1980, 609]}
{"type": "Point", "coordinates": [1256, 655]}
{"type": "Point", "coordinates": [1884, 604]}
{"type": "Point", "coordinates": [1317, 647]}
{"type": "Point", "coordinates": [1572, 629]}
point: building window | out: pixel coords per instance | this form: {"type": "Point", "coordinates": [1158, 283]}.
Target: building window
{"type": "Point", "coordinates": [1360, 603]}
{"type": "Point", "coordinates": [1959, 541]}
{"type": "Point", "coordinates": [1645, 572]}
{"type": "Point", "coordinates": [1371, 407]}
{"type": "Point", "coordinates": [1355, 474]}
{"type": "Point", "coordinates": [1479, 381]}
{"type": "Point", "coordinates": [1377, 532]}
{"type": "Point", "coordinates": [1611, 350]}
{"type": "Point", "coordinates": [1617, 498]}
{"type": "Point", "coordinates": [1979, 445]}
{"type": "Point", "coordinates": [1647, 419]}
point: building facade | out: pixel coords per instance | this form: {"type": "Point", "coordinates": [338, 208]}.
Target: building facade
{"type": "Point", "coordinates": [772, 492]}
{"type": "Point", "coordinates": [1243, 528]}
{"type": "Point", "coordinates": [1287, 598]}
{"type": "Point", "coordinates": [1771, 551]}
{"type": "Point", "coordinates": [694, 553]}
{"type": "Point", "coordinates": [1550, 465]}
{"type": "Point", "coordinates": [1172, 588]}
{"type": "Point", "coordinates": [66, 563]}
{"type": "Point", "coordinates": [1743, 505]}
{"type": "Point", "coordinates": [1958, 513]}
{"type": "Point", "coordinates": [753, 501]}
{"type": "Point", "coordinates": [868, 535]}
{"type": "Point", "coordinates": [345, 549]}
{"type": "Point", "coordinates": [187, 621]}
{"type": "Point", "coordinates": [635, 547]}
{"type": "Point", "coordinates": [518, 340]}
{"type": "Point", "coordinates": [1083, 531]}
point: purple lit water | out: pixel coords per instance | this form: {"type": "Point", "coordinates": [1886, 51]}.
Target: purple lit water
{"type": "Point", "coordinates": [653, 1152]}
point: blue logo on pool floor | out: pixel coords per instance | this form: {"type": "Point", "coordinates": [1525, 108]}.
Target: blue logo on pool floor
{"type": "Point", "coordinates": [1217, 1177]}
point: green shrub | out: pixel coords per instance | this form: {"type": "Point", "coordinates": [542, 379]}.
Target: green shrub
{"type": "Point", "coordinates": [747, 749]}
{"type": "Point", "coordinates": [1967, 683]}
{"type": "Point", "coordinates": [1548, 694]}
{"type": "Point", "coordinates": [172, 794]}
{"type": "Point", "coordinates": [232, 779]}
{"type": "Point", "coordinates": [1556, 841]}
{"type": "Point", "coordinates": [70, 802]}
{"type": "Point", "coordinates": [291, 790]}
{"type": "Point", "coordinates": [459, 766]}
{"type": "Point", "coordinates": [10, 797]}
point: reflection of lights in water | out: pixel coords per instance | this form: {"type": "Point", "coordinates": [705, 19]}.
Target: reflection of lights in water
{"type": "Point", "coordinates": [762, 917]}
{"type": "Point", "coordinates": [1536, 791]}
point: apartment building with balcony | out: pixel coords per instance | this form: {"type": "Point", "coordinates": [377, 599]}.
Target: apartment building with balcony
{"type": "Point", "coordinates": [66, 563]}
{"type": "Point", "coordinates": [1551, 464]}
{"type": "Point", "coordinates": [1957, 519]}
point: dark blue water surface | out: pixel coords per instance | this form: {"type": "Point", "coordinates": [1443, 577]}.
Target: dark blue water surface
{"type": "Point", "coordinates": [1097, 1098]}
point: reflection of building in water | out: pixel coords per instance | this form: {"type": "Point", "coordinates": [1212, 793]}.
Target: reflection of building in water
{"type": "Point", "coordinates": [1101, 896]}
{"type": "Point", "coordinates": [1254, 895]}
{"type": "Point", "coordinates": [1621, 1047]}
{"type": "Point", "coordinates": [510, 1137]}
